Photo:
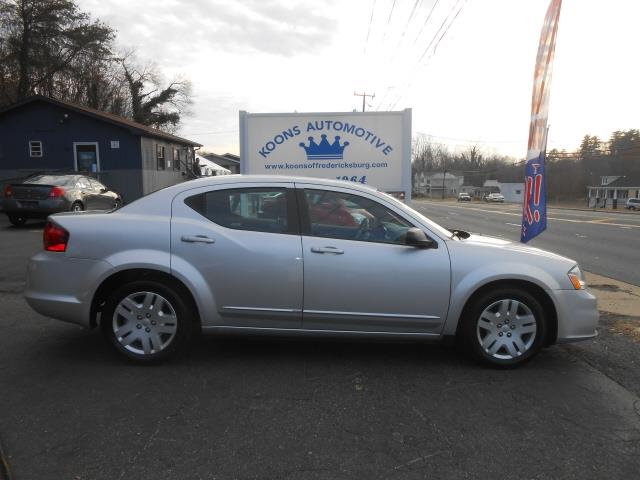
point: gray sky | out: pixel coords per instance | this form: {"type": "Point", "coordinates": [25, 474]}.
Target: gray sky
{"type": "Point", "coordinates": [299, 55]}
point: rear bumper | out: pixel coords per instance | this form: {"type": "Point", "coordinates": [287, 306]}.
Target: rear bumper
{"type": "Point", "coordinates": [577, 315]}
{"type": "Point", "coordinates": [61, 287]}
{"type": "Point", "coordinates": [35, 208]}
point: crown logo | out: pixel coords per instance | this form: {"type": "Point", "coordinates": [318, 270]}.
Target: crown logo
{"type": "Point", "coordinates": [324, 150]}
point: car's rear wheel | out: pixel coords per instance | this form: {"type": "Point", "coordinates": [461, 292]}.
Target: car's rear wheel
{"type": "Point", "coordinates": [17, 220]}
{"type": "Point", "coordinates": [77, 207]}
{"type": "Point", "coordinates": [117, 204]}
{"type": "Point", "coordinates": [504, 328]}
{"type": "Point", "coordinates": [147, 321]}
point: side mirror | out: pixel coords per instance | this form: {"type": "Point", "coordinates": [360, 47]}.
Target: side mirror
{"type": "Point", "coordinates": [417, 238]}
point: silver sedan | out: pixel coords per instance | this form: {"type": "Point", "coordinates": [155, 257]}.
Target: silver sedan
{"type": "Point", "coordinates": [300, 257]}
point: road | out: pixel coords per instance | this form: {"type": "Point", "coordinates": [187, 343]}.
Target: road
{"type": "Point", "coordinates": [602, 242]}
{"type": "Point", "coordinates": [275, 409]}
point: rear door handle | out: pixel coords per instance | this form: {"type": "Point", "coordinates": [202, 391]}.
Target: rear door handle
{"type": "Point", "coordinates": [334, 250]}
{"type": "Point", "coordinates": [197, 239]}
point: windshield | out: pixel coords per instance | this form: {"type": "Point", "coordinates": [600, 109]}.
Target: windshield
{"type": "Point", "coordinates": [58, 180]}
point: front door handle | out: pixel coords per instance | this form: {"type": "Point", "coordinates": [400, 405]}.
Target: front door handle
{"type": "Point", "coordinates": [334, 250]}
{"type": "Point", "coordinates": [197, 239]}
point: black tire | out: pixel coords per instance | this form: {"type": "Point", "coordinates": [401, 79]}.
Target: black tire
{"type": "Point", "coordinates": [471, 334]}
{"type": "Point", "coordinates": [77, 207]}
{"type": "Point", "coordinates": [175, 343]}
{"type": "Point", "coordinates": [17, 220]}
{"type": "Point", "coordinates": [117, 203]}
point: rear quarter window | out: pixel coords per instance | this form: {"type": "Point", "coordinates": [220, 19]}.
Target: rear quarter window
{"type": "Point", "coordinates": [255, 209]}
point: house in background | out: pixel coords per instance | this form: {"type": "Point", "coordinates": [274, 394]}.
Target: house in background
{"type": "Point", "coordinates": [512, 191]}
{"type": "Point", "coordinates": [43, 134]}
{"type": "Point", "coordinates": [433, 184]}
{"type": "Point", "coordinates": [208, 168]}
{"type": "Point", "coordinates": [613, 191]}
{"type": "Point", "coordinates": [229, 161]}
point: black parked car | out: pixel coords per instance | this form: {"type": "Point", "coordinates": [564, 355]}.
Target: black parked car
{"type": "Point", "coordinates": [41, 195]}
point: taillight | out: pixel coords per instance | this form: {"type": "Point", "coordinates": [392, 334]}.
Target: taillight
{"type": "Point", "coordinates": [8, 191]}
{"type": "Point", "coordinates": [56, 192]}
{"type": "Point", "coordinates": [55, 238]}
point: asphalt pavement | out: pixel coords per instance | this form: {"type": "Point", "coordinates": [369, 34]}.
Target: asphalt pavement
{"type": "Point", "coordinates": [237, 408]}
{"type": "Point", "coordinates": [607, 243]}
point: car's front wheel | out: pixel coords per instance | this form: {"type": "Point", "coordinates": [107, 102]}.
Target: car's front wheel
{"type": "Point", "coordinates": [147, 321]}
{"type": "Point", "coordinates": [505, 327]}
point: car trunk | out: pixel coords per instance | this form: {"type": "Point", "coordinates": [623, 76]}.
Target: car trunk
{"type": "Point", "coordinates": [28, 191]}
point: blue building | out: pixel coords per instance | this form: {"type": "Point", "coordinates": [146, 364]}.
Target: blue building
{"type": "Point", "coordinates": [42, 134]}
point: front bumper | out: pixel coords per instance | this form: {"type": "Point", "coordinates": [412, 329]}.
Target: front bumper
{"type": "Point", "coordinates": [577, 315]}
{"type": "Point", "coordinates": [61, 287]}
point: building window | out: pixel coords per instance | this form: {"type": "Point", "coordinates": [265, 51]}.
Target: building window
{"type": "Point", "coordinates": [35, 148]}
{"type": "Point", "coordinates": [176, 159]}
{"type": "Point", "coordinates": [518, 192]}
{"type": "Point", "coordinates": [160, 157]}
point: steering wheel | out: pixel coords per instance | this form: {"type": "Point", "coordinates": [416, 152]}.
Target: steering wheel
{"type": "Point", "coordinates": [363, 229]}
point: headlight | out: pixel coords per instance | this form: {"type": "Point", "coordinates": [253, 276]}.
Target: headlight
{"type": "Point", "coordinates": [577, 280]}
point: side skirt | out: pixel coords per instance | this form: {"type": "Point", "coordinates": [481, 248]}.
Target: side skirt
{"type": "Point", "coordinates": [298, 332]}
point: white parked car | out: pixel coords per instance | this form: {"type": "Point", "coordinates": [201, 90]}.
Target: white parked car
{"type": "Point", "coordinates": [633, 204]}
{"type": "Point", "coordinates": [494, 197]}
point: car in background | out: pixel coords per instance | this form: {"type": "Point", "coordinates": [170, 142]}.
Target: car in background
{"type": "Point", "coordinates": [633, 204]}
{"type": "Point", "coordinates": [206, 256]}
{"type": "Point", "coordinates": [495, 198]}
{"type": "Point", "coordinates": [464, 197]}
{"type": "Point", "coordinates": [43, 194]}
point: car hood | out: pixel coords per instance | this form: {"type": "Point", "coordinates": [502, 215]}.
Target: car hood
{"type": "Point", "coordinates": [510, 246]}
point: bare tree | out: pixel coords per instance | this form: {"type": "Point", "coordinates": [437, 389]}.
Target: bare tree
{"type": "Point", "coordinates": [150, 102]}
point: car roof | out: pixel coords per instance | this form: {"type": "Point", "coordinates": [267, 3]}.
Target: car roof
{"type": "Point", "coordinates": [150, 201]}
{"type": "Point", "coordinates": [243, 178]}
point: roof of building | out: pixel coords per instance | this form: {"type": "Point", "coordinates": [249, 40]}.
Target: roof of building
{"type": "Point", "coordinates": [232, 157]}
{"type": "Point", "coordinates": [202, 161]}
{"type": "Point", "coordinates": [134, 127]}
{"type": "Point", "coordinates": [625, 181]}
{"type": "Point", "coordinates": [226, 159]}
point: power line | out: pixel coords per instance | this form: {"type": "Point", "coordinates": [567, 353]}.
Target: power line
{"type": "Point", "coordinates": [471, 140]}
{"type": "Point", "coordinates": [438, 31]}
{"type": "Point", "coordinates": [393, 5]}
{"type": "Point", "coordinates": [404, 30]}
{"type": "Point", "coordinates": [448, 27]}
{"type": "Point", "coordinates": [424, 24]}
{"type": "Point", "coordinates": [366, 43]}
{"type": "Point", "coordinates": [409, 82]}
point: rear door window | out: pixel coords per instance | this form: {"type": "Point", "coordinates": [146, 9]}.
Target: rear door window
{"type": "Point", "coordinates": [258, 209]}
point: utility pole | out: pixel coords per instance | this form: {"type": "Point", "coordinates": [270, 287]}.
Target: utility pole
{"type": "Point", "coordinates": [364, 96]}
{"type": "Point", "coordinates": [444, 176]}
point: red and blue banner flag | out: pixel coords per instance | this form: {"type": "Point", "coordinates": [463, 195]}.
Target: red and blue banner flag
{"type": "Point", "coordinates": [534, 214]}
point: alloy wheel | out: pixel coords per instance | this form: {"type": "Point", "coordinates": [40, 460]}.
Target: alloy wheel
{"type": "Point", "coordinates": [506, 329]}
{"type": "Point", "coordinates": [144, 323]}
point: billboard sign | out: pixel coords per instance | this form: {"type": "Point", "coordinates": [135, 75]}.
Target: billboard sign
{"type": "Point", "coordinates": [372, 148]}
